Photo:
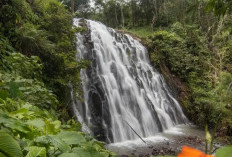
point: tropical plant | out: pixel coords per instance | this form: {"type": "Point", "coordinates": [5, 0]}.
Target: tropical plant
{"type": "Point", "coordinates": [40, 133]}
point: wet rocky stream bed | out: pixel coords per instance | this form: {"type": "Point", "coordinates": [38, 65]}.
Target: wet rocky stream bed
{"type": "Point", "coordinates": [169, 142]}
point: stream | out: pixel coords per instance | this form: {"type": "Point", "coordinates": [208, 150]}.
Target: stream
{"type": "Point", "coordinates": [169, 142]}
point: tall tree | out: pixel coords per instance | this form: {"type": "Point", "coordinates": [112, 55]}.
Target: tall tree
{"type": "Point", "coordinates": [122, 15]}
{"type": "Point", "coordinates": [72, 6]}
{"type": "Point", "coordinates": [133, 8]}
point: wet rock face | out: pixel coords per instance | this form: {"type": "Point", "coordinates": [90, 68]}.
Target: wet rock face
{"type": "Point", "coordinates": [96, 98]}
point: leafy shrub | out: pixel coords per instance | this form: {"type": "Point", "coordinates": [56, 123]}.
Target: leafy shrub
{"type": "Point", "coordinates": [170, 49]}
{"type": "Point", "coordinates": [18, 64]}
{"type": "Point", "coordinates": [22, 80]}
{"type": "Point", "coordinates": [39, 133]}
{"type": "Point", "coordinates": [42, 28]}
{"type": "Point", "coordinates": [32, 41]}
{"type": "Point", "coordinates": [29, 90]}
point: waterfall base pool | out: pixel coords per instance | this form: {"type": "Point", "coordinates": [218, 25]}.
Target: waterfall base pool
{"type": "Point", "coordinates": [169, 142]}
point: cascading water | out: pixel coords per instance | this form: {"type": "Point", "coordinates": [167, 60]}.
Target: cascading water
{"type": "Point", "coordinates": [123, 95]}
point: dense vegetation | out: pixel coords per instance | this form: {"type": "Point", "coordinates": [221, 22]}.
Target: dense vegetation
{"type": "Point", "coordinates": [37, 63]}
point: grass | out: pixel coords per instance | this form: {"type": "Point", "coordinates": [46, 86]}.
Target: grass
{"type": "Point", "coordinates": [141, 32]}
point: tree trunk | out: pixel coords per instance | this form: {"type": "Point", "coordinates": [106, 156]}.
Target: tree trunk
{"type": "Point", "coordinates": [133, 12]}
{"type": "Point", "coordinates": [116, 17]}
{"type": "Point", "coordinates": [121, 6]}
{"type": "Point", "coordinates": [155, 15]}
{"type": "Point", "coordinates": [72, 6]}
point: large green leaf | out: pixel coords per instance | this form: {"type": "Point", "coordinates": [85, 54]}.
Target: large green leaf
{"type": "Point", "coordinates": [60, 144]}
{"type": "Point", "coordinates": [13, 123]}
{"type": "Point", "coordinates": [35, 151]}
{"type": "Point", "coordinates": [224, 151]}
{"type": "Point", "coordinates": [52, 127]}
{"type": "Point", "coordinates": [42, 140]}
{"type": "Point", "coordinates": [38, 123]}
{"type": "Point", "coordinates": [19, 113]}
{"type": "Point", "coordinates": [55, 141]}
{"type": "Point", "coordinates": [8, 146]}
{"type": "Point", "coordinates": [71, 137]}
{"type": "Point", "coordinates": [90, 152]}
{"type": "Point", "coordinates": [2, 155]}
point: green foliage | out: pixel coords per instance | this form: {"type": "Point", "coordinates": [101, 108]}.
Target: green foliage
{"type": "Point", "coordinates": [220, 7]}
{"type": "Point", "coordinates": [36, 130]}
{"type": "Point", "coordinates": [29, 90]}
{"type": "Point", "coordinates": [84, 152]}
{"type": "Point", "coordinates": [14, 13]}
{"type": "Point", "coordinates": [31, 40]}
{"type": "Point", "coordinates": [28, 67]}
{"type": "Point", "coordinates": [71, 137]}
{"type": "Point", "coordinates": [39, 132]}
{"type": "Point", "coordinates": [44, 29]}
{"type": "Point", "coordinates": [171, 49]}
{"type": "Point", "coordinates": [35, 151]}
{"type": "Point", "coordinates": [8, 146]}
{"type": "Point", "coordinates": [224, 151]}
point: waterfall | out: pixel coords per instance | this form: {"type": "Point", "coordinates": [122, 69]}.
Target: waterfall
{"type": "Point", "coordinates": [122, 92]}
